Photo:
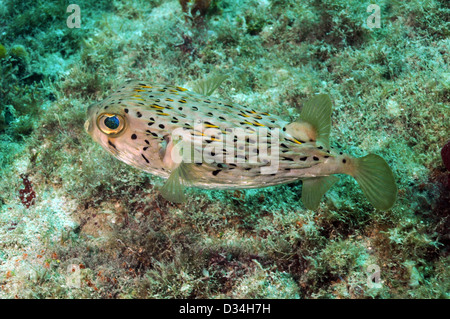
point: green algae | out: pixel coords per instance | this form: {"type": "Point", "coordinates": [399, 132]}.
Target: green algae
{"type": "Point", "coordinates": [390, 94]}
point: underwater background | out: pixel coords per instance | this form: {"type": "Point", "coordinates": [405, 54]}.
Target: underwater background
{"type": "Point", "coordinates": [77, 223]}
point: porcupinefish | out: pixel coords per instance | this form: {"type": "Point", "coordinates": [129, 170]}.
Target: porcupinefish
{"type": "Point", "coordinates": [224, 145]}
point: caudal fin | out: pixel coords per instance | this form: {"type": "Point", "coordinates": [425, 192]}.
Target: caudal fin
{"type": "Point", "coordinates": [375, 177]}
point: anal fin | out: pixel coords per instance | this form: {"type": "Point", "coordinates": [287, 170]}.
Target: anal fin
{"type": "Point", "coordinates": [314, 188]}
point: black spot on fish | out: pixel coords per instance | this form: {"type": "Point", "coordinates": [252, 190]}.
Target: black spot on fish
{"type": "Point", "coordinates": [134, 136]}
{"type": "Point", "coordinates": [320, 147]}
{"type": "Point", "coordinates": [145, 148]}
{"type": "Point", "coordinates": [109, 142]}
{"type": "Point", "coordinates": [161, 126]}
{"type": "Point", "coordinates": [315, 158]}
{"type": "Point", "coordinates": [143, 156]}
{"type": "Point", "coordinates": [180, 108]}
{"type": "Point", "coordinates": [303, 158]}
{"type": "Point", "coordinates": [147, 142]}
{"type": "Point", "coordinates": [195, 108]}
{"type": "Point", "coordinates": [152, 133]}
{"type": "Point", "coordinates": [216, 172]}
{"type": "Point", "coordinates": [222, 118]}
{"type": "Point", "coordinates": [287, 158]}
{"type": "Point", "coordinates": [344, 161]}
{"type": "Point", "coordinates": [126, 111]}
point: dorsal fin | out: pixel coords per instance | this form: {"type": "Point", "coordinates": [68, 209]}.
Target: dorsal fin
{"type": "Point", "coordinates": [314, 122]}
{"type": "Point", "coordinates": [317, 112]}
{"type": "Point", "coordinates": [208, 85]}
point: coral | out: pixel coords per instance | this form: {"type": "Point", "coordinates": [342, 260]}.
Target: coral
{"type": "Point", "coordinates": [445, 154]}
{"type": "Point", "coordinates": [27, 195]}
{"type": "Point", "coordinates": [2, 52]}
{"type": "Point", "coordinates": [195, 9]}
{"type": "Point", "coordinates": [18, 52]}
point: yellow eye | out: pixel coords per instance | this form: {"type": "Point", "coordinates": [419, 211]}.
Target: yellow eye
{"type": "Point", "coordinates": [111, 124]}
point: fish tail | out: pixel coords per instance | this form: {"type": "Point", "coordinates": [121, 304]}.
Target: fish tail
{"type": "Point", "coordinates": [375, 177]}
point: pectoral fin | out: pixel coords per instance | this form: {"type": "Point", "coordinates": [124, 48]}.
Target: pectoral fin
{"type": "Point", "coordinates": [179, 179]}
{"type": "Point", "coordinates": [314, 188]}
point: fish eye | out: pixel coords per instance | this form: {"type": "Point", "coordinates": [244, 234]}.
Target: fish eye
{"type": "Point", "coordinates": [111, 124]}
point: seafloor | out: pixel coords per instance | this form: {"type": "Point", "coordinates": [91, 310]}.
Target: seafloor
{"type": "Point", "coordinates": [77, 223]}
